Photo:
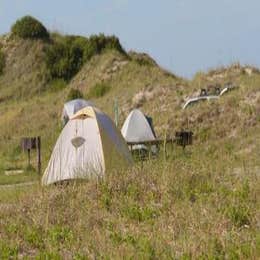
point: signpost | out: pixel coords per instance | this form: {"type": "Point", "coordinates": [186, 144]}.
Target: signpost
{"type": "Point", "coordinates": [32, 143]}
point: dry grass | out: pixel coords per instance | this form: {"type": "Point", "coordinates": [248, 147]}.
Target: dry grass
{"type": "Point", "coordinates": [200, 204]}
{"type": "Point", "coordinates": [182, 208]}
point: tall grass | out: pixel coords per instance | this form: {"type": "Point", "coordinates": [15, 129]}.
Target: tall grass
{"type": "Point", "coordinates": [180, 208]}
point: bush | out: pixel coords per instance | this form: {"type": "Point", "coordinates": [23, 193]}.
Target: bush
{"type": "Point", "coordinates": [74, 94]}
{"type": "Point", "coordinates": [65, 57]}
{"type": "Point", "coordinates": [99, 90]}
{"type": "Point", "coordinates": [29, 27]}
{"type": "Point", "coordinates": [101, 42]}
{"type": "Point", "coordinates": [2, 62]}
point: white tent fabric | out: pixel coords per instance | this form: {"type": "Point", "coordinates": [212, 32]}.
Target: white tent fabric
{"type": "Point", "coordinates": [136, 128]}
{"type": "Point", "coordinates": [72, 107]}
{"type": "Point", "coordinates": [89, 145]}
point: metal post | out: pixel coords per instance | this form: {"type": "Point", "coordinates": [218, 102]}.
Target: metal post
{"type": "Point", "coordinates": [116, 111]}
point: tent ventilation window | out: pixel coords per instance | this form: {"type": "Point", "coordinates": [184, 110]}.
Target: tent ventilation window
{"type": "Point", "coordinates": [78, 141]}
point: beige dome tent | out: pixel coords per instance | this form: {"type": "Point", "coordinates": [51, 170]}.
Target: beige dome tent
{"type": "Point", "coordinates": [88, 146]}
{"type": "Point", "coordinates": [72, 107]}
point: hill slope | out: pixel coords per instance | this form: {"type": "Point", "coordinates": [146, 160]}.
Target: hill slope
{"type": "Point", "coordinates": [199, 203]}
{"type": "Point", "coordinates": [24, 74]}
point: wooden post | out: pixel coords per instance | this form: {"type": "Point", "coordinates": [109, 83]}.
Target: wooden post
{"type": "Point", "coordinates": [29, 157]}
{"type": "Point", "coordinates": [38, 147]}
{"type": "Point", "coordinates": [150, 151]}
{"type": "Point", "coordinates": [164, 146]}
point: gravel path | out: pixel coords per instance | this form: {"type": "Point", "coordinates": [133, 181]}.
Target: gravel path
{"type": "Point", "coordinates": [7, 186]}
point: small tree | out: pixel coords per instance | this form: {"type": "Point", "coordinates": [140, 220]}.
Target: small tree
{"type": "Point", "coordinates": [64, 59]}
{"type": "Point", "coordinates": [29, 27]}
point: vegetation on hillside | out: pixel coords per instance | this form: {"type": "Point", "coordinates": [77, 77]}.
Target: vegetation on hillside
{"type": "Point", "coordinates": [29, 27]}
{"type": "Point", "coordinates": [2, 62]}
{"type": "Point", "coordinates": [34, 65]}
{"type": "Point", "coordinates": [142, 59]}
{"type": "Point", "coordinates": [67, 54]}
{"type": "Point", "coordinates": [74, 94]}
{"type": "Point", "coordinates": [99, 90]}
{"type": "Point", "coordinates": [187, 207]}
{"type": "Point", "coordinates": [199, 203]}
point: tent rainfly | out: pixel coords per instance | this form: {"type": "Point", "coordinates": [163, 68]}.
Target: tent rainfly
{"type": "Point", "coordinates": [72, 107]}
{"type": "Point", "coordinates": [88, 146]}
{"type": "Point", "coordinates": [136, 128]}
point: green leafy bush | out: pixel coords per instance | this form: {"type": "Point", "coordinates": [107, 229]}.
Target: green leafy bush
{"type": "Point", "coordinates": [65, 57]}
{"type": "Point", "coordinates": [29, 27]}
{"type": "Point", "coordinates": [2, 62]}
{"type": "Point", "coordinates": [99, 90]}
{"type": "Point", "coordinates": [74, 94]}
{"type": "Point", "coordinates": [101, 42]}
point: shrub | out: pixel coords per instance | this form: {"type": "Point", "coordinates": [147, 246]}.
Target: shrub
{"type": "Point", "coordinates": [2, 62]}
{"type": "Point", "coordinates": [99, 90]}
{"type": "Point", "coordinates": [29, 27]}
{"type": "Point", "coordinates": [101, 42]}
{"type": "Point", "coordinates": [65, 57]}
{"type": "Point", "coordinates": [74, 94]}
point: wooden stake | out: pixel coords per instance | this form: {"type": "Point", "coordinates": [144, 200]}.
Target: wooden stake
{"type": "Point", "coordinates": [29, 157]}
{"type": "Point", "coordinates": [38, 147]}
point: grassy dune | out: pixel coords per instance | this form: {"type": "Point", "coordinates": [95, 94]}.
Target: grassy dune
{"type": "Point", "coordinates": [198, 203]}
{"type": "Point", "coordinates": [190, 206]}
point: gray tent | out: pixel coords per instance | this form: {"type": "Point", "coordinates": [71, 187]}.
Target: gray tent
{"type": "Point", "coordinates": [137, 128]}
{"type": "Point", "coordinates": [72, 107]}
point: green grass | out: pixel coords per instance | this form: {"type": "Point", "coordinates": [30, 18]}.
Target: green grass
{"type": "Point", "coordinates": [200, 203]}
{"type": "Point", "coordinates": [99, 90]}
{"type": "Point", "coordinates": [182, 208]}
{"type": "Point", "coordinates": [16, 179]}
